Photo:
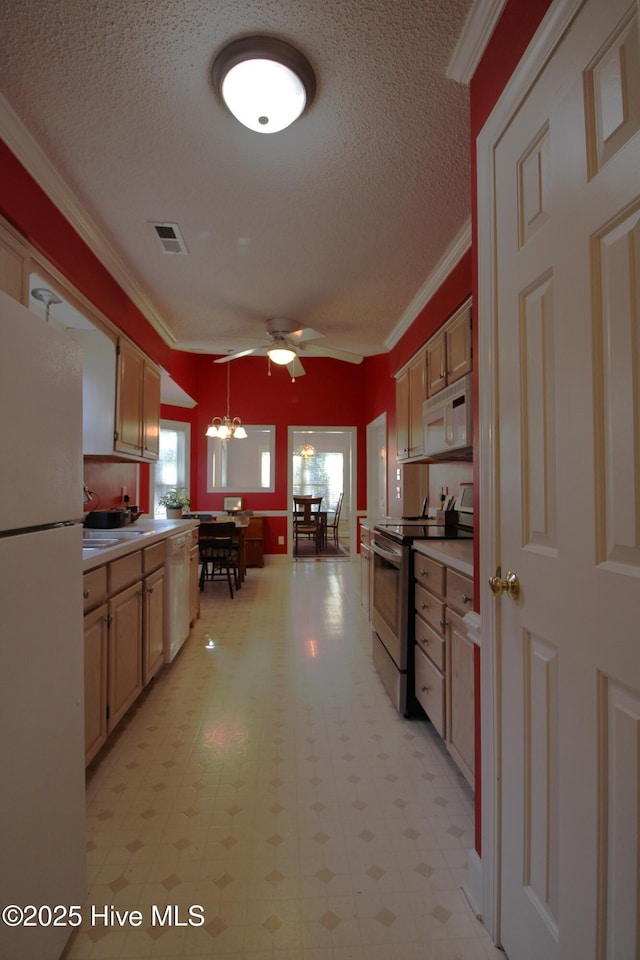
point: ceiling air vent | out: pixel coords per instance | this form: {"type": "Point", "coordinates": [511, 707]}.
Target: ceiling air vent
{"type": "Point", "coordinates": [170, 238]}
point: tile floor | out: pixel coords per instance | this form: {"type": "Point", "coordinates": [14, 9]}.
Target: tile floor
{"type": "Point", "coordinates": [266, 777]}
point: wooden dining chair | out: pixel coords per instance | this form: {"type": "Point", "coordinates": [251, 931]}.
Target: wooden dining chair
{"type": "Point", "coordinates": [218, 555]}
{"type": "Point", "coordinates": [332, 524]}
{"type": "Point", "coordinates": [307, 521]}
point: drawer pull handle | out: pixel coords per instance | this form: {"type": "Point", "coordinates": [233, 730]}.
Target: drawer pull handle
{"type": "Point", "coordinates": [424, 606]}
{"type": "Point", "coordinates": [424, 573]}
{"type": "Point", "coordinates": [425, 688]}
{"type": "Point", "coordinates": [466, 598]}
{"type": "Point", "coordinates": [85, 594]}
{"type": "Point", "coordinates": [425, 639]}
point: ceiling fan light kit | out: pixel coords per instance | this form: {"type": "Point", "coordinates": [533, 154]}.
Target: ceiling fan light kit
{"type": "Point", "coordinates": [264, 82]}
{"type": "Point", "coordinates": [281, 355]}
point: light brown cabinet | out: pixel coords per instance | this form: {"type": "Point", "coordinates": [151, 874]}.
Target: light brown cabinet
{"type": "Point", "coordinates": [95, 680]}
{"type": "Point", "coordinates": [254, 543]}
{"type": "Point", "coordinates": [137, 429]}
{"type": "Point", "coordinates": [14, 267]}
{"type": "Point", "coordinates": [366, 570]}
{"type": "Point", "coordinates": [449, 355]}
{"type": "Point", "coordinates": [152, 624]}
{"type": "Point", "coordinates": [194, 578]}
{"type": "Point", "coordinates": [411, 388]}
{"type": "Point", "coordinates": [124, 607]}
{"type": "Point", "coordinates": [444, 657]}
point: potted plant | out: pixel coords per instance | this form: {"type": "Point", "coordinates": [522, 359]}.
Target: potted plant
{"type": "Point", "coordinates": [175, 501]}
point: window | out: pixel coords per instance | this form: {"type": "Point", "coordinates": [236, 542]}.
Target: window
{"type": "Point", "coordinates": [172, 467]}
{"type": "Point", "coordinates": [320, 476]}
{"type": "Point", "coordinates": [244, 466]}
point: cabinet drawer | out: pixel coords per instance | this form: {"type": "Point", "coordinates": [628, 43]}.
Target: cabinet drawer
{"type": "Point", "coordinates": [94, 587]}
{"type": "Point", "coordinates": [459, 591]}
{"type": "Point", "coordinates": [431, 642]}
{"type": "Point", "coordinates": [125, 571]}
{"type": "Point", "coordinates": [430, 690]}
{"type": "Point", "coordinates": [365, 535]}
{"type": "Point", "coordinates": [153, 556]}
{"type": "Point", "coordinates": [430, 608]}
{"type": "Point", "coordinates": [429, 573]}
{"type": "Point", "coordinates": [195, 533]}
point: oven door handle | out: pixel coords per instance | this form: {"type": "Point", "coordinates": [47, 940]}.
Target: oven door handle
{"type": "Point", "coordinates": [390, 555]}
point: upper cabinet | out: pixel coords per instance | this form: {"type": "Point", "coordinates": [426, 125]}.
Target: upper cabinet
{"type": "Point", "coordinates": [14, 267]}
{"type": "Point", "coordinates": [410, 395]}
{"type": "Point", "coordinates": [444, 359]}
{"type": "Point", "coordinates": [137, 432]}
{"type": "Point", "coordinates": [449, 352]}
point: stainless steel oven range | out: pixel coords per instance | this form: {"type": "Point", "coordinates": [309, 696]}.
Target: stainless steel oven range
{"type": "Point", "coordinates": [393, 601]}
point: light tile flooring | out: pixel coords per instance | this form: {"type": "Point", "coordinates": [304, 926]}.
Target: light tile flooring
{"type": "Point", "coordinates": [266, 777]}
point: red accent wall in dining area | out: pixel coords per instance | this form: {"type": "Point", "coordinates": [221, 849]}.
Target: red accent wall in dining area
{"type": "Point", "coordinates": [331, 394]}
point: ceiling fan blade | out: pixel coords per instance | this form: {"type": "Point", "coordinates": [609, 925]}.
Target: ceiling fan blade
{"type": "Point", "coordinates": [256, 351]}
{"type": "Point", "coordinates": [304, 334]}
{"type": "Point", "coordinates": [296, 369]}
{"type": "Point", "coordinates": [313, 351]}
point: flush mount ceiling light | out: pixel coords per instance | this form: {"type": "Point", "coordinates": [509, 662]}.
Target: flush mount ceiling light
{"type": "Point", "coordinates": [265, 82]}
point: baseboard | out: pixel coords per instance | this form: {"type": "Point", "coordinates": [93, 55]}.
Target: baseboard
{"type": "Point", "coordinates": [472, 887]}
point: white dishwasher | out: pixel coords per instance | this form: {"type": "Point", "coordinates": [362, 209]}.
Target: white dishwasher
{"type": "Point", "coordinates": [177, 594]}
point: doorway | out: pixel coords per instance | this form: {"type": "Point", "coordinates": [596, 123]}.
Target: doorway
{"type": "Point", "coordinates": [322, 463]}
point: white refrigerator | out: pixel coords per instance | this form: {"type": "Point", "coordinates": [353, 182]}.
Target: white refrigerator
{"type": "Point", "coordinates": [42, 786]}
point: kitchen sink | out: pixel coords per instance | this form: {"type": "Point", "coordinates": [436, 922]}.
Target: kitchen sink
{"type": "Point", "coordinates": [113, 536]}
{"type": "Point", "coordinates": [100, 543]}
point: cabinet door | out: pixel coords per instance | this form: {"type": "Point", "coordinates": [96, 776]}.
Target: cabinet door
{"type": "Point", "coordinates": [129, 401]}
{"type": "Point", "coordinates": [436, 364]}
{"type": "Point", "coordinates": [95, 681]}
{"type": "Point", "coordinates": [402, 416]}
{"type": "Point", "coordinates": [153, 624]}
{"type": "Point", "coordinates": [14, 266]}
{"type": "Point", "coordinates": [460, 696]}
{"type": "Point", "coordinates": [365, 578]}
{"type": "Point", "coordinates": [151, 412]}
{"type": "Point", "coordinates": [458, 347]}
{"type": "Point", "coordinates": [194, 584]}
{"type": "Point", "coordinates": [254, 543]}
{"type": "Point", "coordinates": [125, 652]}
{"type": "Point", "coordinates": [417, 396]}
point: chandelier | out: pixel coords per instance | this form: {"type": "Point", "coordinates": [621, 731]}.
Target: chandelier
{"type": "Point", "coordinates": [306, 452]}
{"type": "Point", "coordinates": [224, 428]}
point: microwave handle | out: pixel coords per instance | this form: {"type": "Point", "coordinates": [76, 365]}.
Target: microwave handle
{"type": "Point", "coordinates": [448, 425]}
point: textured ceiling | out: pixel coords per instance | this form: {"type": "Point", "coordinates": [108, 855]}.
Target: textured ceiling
{"type": "Point", "coordinates": [336, 222]}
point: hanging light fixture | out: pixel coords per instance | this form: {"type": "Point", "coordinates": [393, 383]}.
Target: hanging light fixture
{"type": "Point", "coordinates": [224, 428]}
{"type": "Point", "coordinates": [265, 82]}
{"type": "Point", "coordinates": [306, 451]}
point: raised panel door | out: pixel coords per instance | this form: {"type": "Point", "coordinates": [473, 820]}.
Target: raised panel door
{"type": "Point", "coordinates": [95, 680]}
{"type": "Point", "coordinates": [460, 696]}
{"type": "Point", "coordinates": [153, 624]}
{"type": "Point", "coordinates": [129, 399]}
{"type": "Point", "coordinates": [151, 412]}
{"type": "Point", "coordinates": [125, 652]}
{"type": "Point", "coordinates": [436, 364]}
{"type": "Point", "coordinates": [458, 346]}
{"type": "Point", "coordinates": [402, 416]}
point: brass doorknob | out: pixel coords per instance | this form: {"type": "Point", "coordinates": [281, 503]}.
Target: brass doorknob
{"type": "Point", "coordinates": [510, 583]}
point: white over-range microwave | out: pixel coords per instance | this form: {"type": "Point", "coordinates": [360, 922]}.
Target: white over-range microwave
{"type": "Point", "coordinates": [448, 422]}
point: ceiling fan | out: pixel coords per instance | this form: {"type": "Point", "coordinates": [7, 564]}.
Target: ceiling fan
{"type": "Point", "coordinates": [285, 342]}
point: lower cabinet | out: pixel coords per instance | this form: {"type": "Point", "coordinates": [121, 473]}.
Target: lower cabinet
{"type": "Point", "coordinates": [254, 543]}
{"type": "Point", "coordinates": [366, 572]}
{"type": "Point", "coordinates": [125, 653]}
{"type": "Point", "coordinates": [444, 657]}
{"type": "Point", "coordinates": [152, 624]}
{"type": "Point", "coordinates": [123, 637]}
{"type": "Point", "coordinates": [194, 579]}
{"type": "Point", "coordinates": [95, 680]}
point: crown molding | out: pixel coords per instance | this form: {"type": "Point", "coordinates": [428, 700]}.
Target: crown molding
{"type": "Point", "coordinates": [34, 160]}
{"type": "Point", "coordinates": [451, 258]}
{"type": "Point", "coordinates": [483, 16]}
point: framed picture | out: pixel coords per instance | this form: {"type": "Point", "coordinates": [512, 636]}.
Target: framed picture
{"type": "Point", "coordinates": [232, 504]}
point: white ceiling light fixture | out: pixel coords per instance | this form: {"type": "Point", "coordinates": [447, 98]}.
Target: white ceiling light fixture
{"type": "Point", "coordinates": [225, 428]}
{"type": "Point", "coordinates": [281, 353]}
{"type": "Point", "coordinates": [265, 82]}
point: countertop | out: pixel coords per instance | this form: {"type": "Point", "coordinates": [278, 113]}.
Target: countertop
{"type": "Point", "coordinates": [454, 553]}
{"type": "Point", "coordinates": [134, 536]}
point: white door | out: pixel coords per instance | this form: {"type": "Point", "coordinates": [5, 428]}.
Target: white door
{"type": "Point", "coordinates": [567, 309]}
{"type": "Point", "coordinates": [377, 467]}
